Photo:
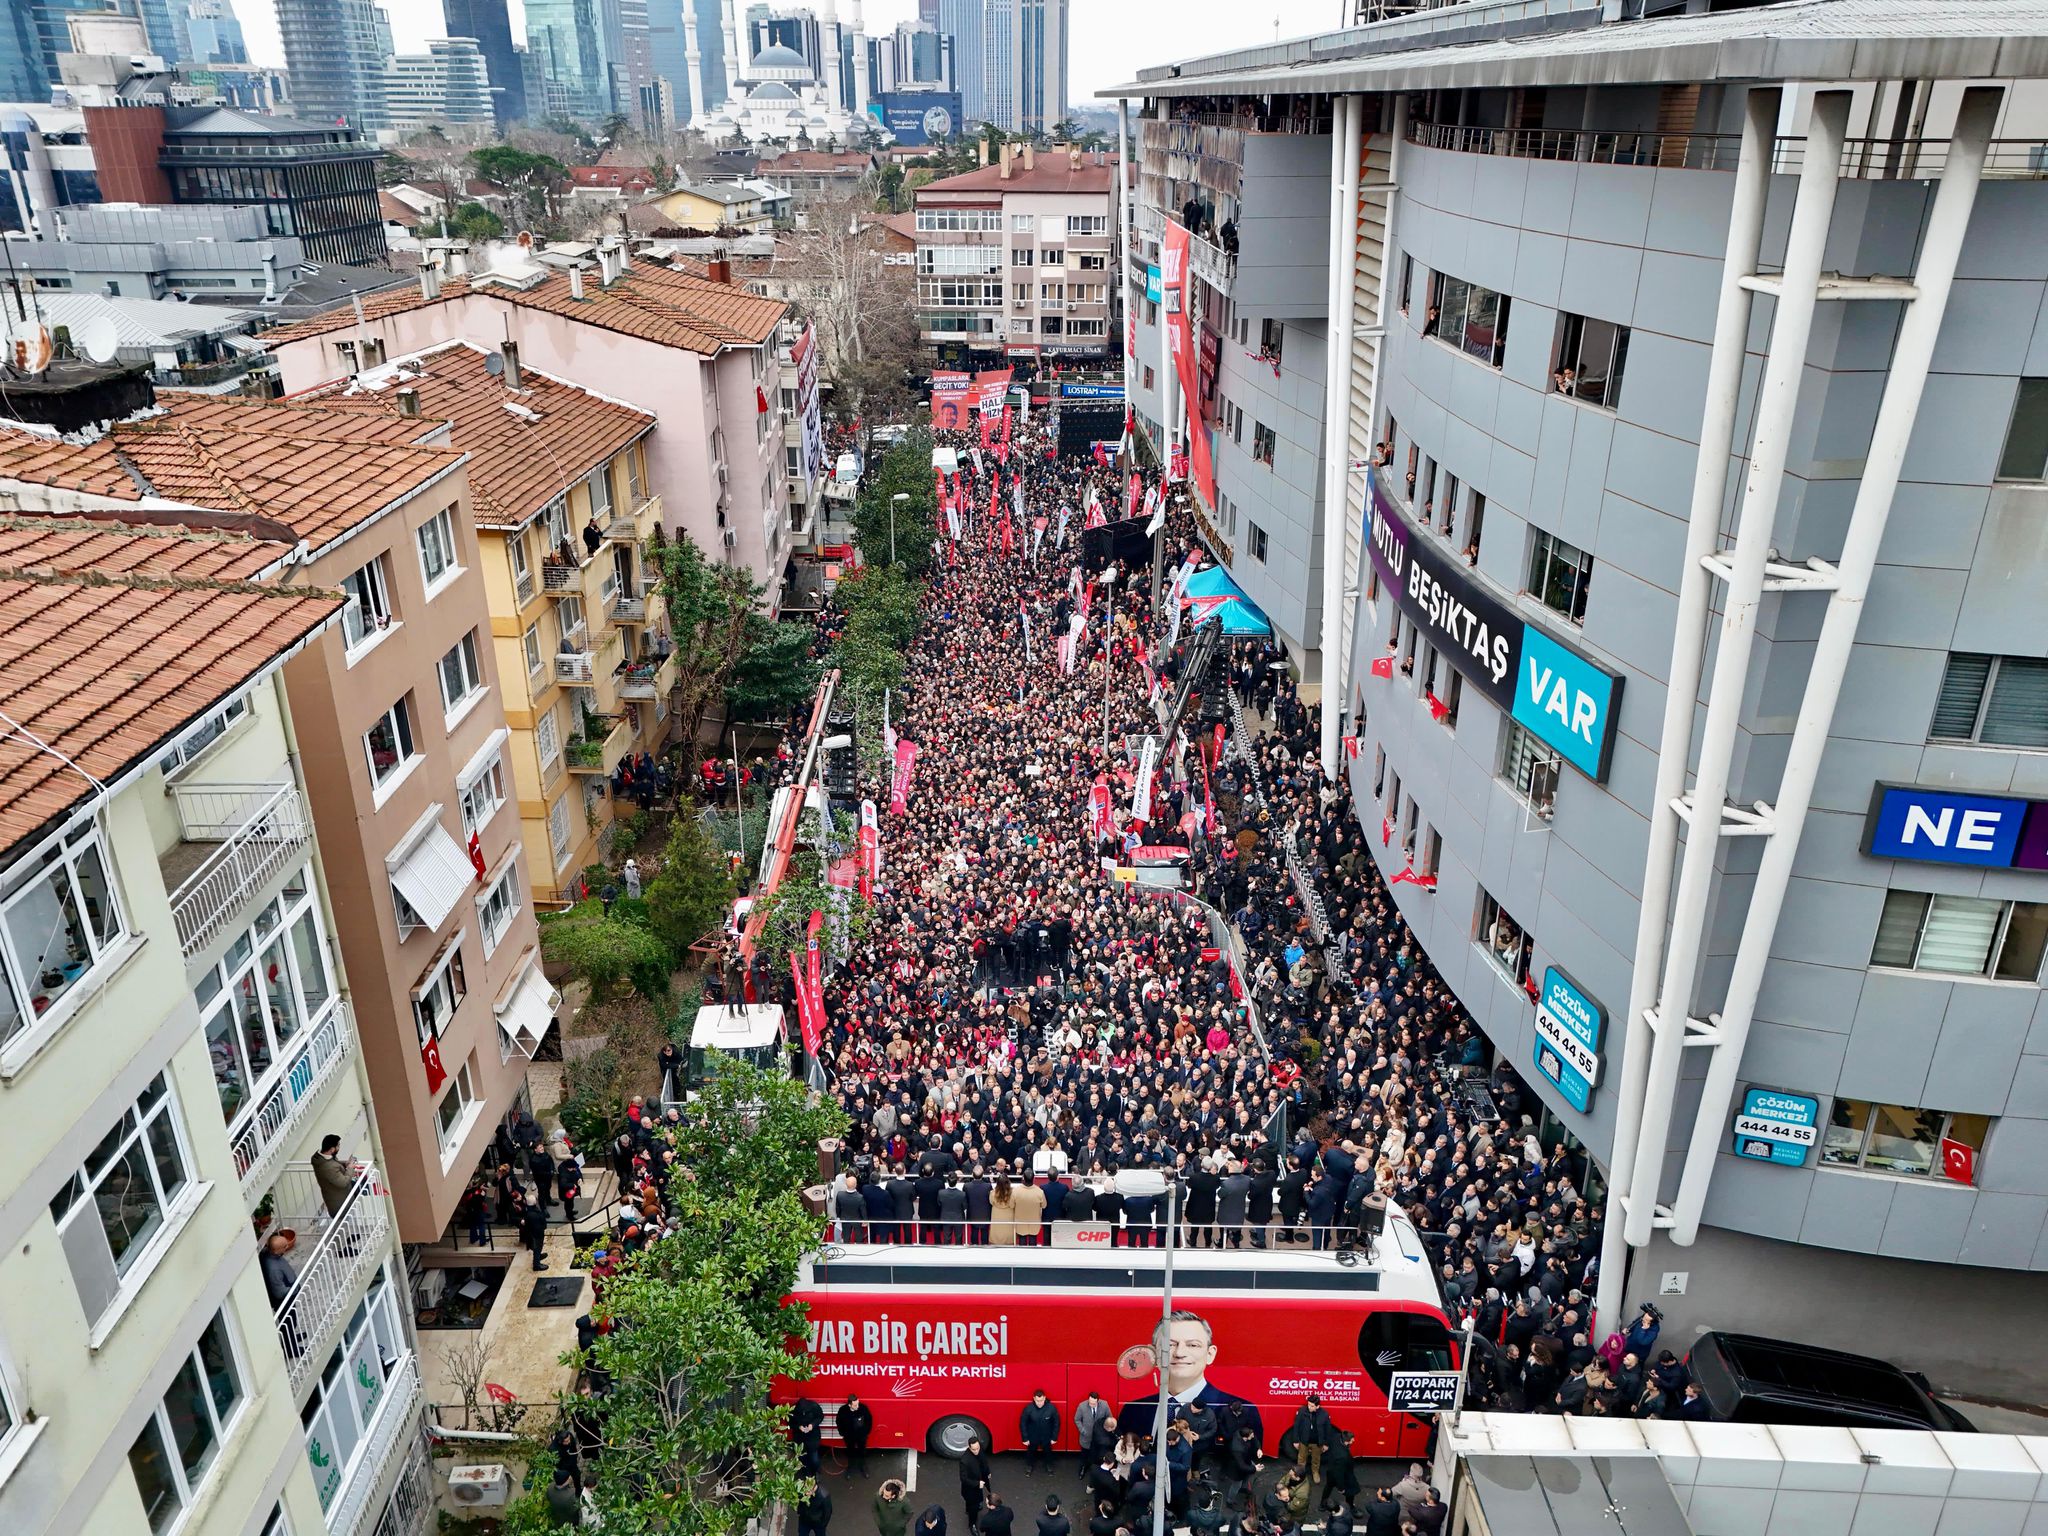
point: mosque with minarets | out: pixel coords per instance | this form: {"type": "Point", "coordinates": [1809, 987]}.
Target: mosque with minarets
{"type": "Point", "coordinates": [799, 74]}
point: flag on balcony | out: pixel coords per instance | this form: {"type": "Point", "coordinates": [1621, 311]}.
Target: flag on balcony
{"type": "Point", "coordinates": [760, 400]}
{"type": "Point", "coordinates": [430, 1056]}
{"type": "Point", "coordinates": [1383, 667]}
{"type": "Point", "coordinates": [1437, 707]}
{"type": "Point", "coordinates": [1386, 830]}
{"type": "Point", "coordinates": [476, 855]}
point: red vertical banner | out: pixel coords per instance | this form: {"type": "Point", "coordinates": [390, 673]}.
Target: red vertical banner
{"type": "Point", "coordinates": [1173, 271]}
{"type": "Point", "coordinates": [899, 778]}
{"type": "Point", "coordinates": [808, 974]}
{"type": "Point", "coordinates": [870, 849]}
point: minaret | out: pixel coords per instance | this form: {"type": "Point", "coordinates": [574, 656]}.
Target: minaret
{"type": "Point", "coordinates": [693, 66]}
{"type": "Point", "coordinates": [830, 73]}
{"type": "Point", "coordinates": [860, 64]}
{"type": "Point", "coordinates": [732, 53]}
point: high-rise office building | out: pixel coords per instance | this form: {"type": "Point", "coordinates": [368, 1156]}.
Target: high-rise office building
{"type": "Point", "coordinates": [1024, 64]}
{"type": "Point", "coordinates": [211, 33]}
{"type": "Point", "coordinates": [630, 50]}
{"type": "Point", "coordinates": [336, 60]}
{"type": "Point", "coordinates": [488, 22]}
{"type": "Point", "coordinates": [693, 87]}
{"type": "Point", "coordinates": [23, 76]}
{"type": "Point", "coordinates": [449, 83]}
{"type": "Point", "coordinates": [961, 20]}
{"type": "Point", "coordinates": [567, 39]}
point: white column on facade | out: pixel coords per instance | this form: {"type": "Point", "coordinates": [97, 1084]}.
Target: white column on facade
{"type": "Point", "coordinates": [1125, 343]}
{"type": "Point", "coordinates": [1906, 382]}
{"type": "Point", "coordinates": [1383, 322]}
{"type": "Point", "coordinates": [1346, 151]}
{"type": "Point", "coordinates": [731, 28]}
{"type": "Point", "coordinates": [1709, 490]}
{"type": "Point", "coordinates": [1777, 400]}
{"type": "Point", "coordinates": [693, 64]}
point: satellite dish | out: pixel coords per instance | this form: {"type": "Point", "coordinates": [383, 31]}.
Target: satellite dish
{"type": "Point", "coordinates": [32, 353]}
{"type": "Point", "coordinates": [494, 363]}
{"type": "Point", "coordinates": [98, 339]}
{"type": "Point", "coordinates": [524, 240]}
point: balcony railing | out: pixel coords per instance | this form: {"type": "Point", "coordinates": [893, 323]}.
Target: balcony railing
{"type": "Point", "coordinates": [559, 580]}
{"type": "Point", "coordinates": [630, 610]}
{"type": "Point", "coordinates": [410, 1509]}
{"type": "Point", "coordinates": [600, 754]}
{"type": "Point", "coordinates": [259, 828]}
{"type": "Point", "coordinates": [647, 678]}
{"type": "Point", "coordinates": [575, 667]}
{"type": "Point", "coordinates": [352, 1242]}
{"type": "Point", "coordinates": [281, 1112]}
{"type": "Point", "coordinates": [394, 1432]}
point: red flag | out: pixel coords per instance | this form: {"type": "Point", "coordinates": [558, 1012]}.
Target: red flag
{"type": "Point", "coordinates": [1383, 667]}
{"type": "Point", "coordinates": [1131, 501]}
{"type": "Point", "coordinates": [1427, 882]}
{"type": "Point", "coordinates": [430, 1054]}
{"type": "Point", "coordinates": [760, 400]}
{"type": "Point", "coordinates": [1101, 458]}
{"type": "Point", "coordinates": [1958, 1161]}
{"type": "Point", "coordinates": [498, 1394]}
{"type": "Point", "coordinates": [1386, 830]}
{"type": "Point", "coordinates": [810, 989]}
{"type": "Point", "coordinates": [1437, 707]}
{"type": "Point", "coordinates": [1350, 748]}
{"type": "Point", "coordinates": [476, 855]}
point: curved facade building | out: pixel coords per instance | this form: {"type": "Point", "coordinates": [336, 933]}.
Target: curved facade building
{"type": "Point", "coordinates": [1690, 517]}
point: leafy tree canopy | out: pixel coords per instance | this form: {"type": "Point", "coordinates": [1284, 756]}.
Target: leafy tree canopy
{"type": "Point", "coordinates": [775, 673]}
{"type": "Point", "coordinates": [690, 893]}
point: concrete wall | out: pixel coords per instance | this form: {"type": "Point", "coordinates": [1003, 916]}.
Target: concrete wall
{"type": "Point", "coordinates": [1962, 566]}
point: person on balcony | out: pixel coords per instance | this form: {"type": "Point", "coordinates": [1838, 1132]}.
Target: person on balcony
{"type": "Point", "coordinates": [335, 1174]}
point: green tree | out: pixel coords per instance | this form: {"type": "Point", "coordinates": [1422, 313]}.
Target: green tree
{"type": "Point", "coordinates": [689, 895]}
{"type": "Point", "coordinates": [775, 673]}
{"type": "Point", "coordinates": [905, 470]}
{"type": "Point", "coordinates": [702, 1324]}
{"type": "Point", "coordinates": [473, 221]}
{"type": "Point", "coordinates": [786, 914]}
{"type": "Point", "coordinates": [608, 952]}
{"type": "Point", "coordinates": [533, 176]}
{"type": "Point", "coordinates": [711, 608]}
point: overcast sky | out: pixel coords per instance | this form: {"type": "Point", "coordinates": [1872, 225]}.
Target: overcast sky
{"type": "Point", "coordinates": [1111, 39]}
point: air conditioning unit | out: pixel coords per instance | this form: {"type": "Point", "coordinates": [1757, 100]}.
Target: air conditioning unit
{"type": "Point", "coordinates": [487, 1486]}
{"type": "Point", "coordinates": [732, 538]}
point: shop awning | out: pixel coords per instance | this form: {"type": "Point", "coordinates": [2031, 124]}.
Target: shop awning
{"type": "Point", "coordinates": [528, 1009]}
{"type": "Point", "coordinates": [1212, 594]}
{"type": "Point", "coordinates": [430, 870]}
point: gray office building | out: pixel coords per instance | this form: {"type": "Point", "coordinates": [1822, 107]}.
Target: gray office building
{"type": "Point", "coordinates": [490, 25]}
{"type": "Point", "coordinates": [336, 60]}
{"type": "Point", "coordinates": [1639, 432]}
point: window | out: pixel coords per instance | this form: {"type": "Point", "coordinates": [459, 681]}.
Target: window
{"type": "Point", "coordinates": [204, 735]}
{"type": "Point", "coordinates": [1468, 317]}
{"type": "Point", "coordinates": [547, 739]}
{"type": "Point", "coordinates": [1407, 279]}
{"type": "Point", "coordinates": [1530, 769]}
{"type": "Point", "coordinates": [497, 907]}
{"type": "Point", "coordinates": [389, 744]}
{"type": "Point", "coordinates": [636, 470]}
{"type": "Point", "coordinates": [368, 611]}
{"type": "Point", "coordinates": [1022, 224]}
{"type": "Point", "coordinates": [1888, 1138]}
{"type": "Point", "coordinates": [1255, 542]}
{"type": "Point", "coordinates": [437, 546]}
{"type": "Point", "coordinates": [1148, 376]}
{"type": "Point", "coordinates": [1961, 935]}
{"type": "Point", "coordinates": [113, 1207]}
{"type": "Point", "coordinates": [558, 832]}
{"type": "Point", "coordinates": [440, 992]}
{"type": "Point", "coordinates": [522, 568]}
{"type": "Point", "coordinates": [569, 617]}
{"type": "Point", "coordinates": [482, 793]}
{"type": "Point", "coordinates": [1590, 355]}
{"type": "Point", "coordinates": [59, 919]}
{"type": "Point", "coordinates": [555, 519]}
{"type": "Point", "coordinates": [338, 1415]}
{"type": "Point", "coordinates": [1506, 942]}
{"type": "Point", "coordinates": [1475, 525]}
{"type": "Point", "coordinates": [182, 1436]}
{"type": "Point", "coordinates": [1087, 224]}
{"type": "Point", "coordinates": [1446, 706]}
{"type": "Point", "coordinates": [1994, 701]}
{"type": "Point", "coordinates": [1559, 575]}
{"type": "Point", "coordinates": [1093, 262]}
{"type": "Point", "coordinates": [1272, 336]}
{"type": "Point", "coordinates": [1264, 443]}
{"type": "Point", "coordinates": [1023, 256]}
{"type": "Point", "coordinates": [451, 1115]}
{"type": "Point", "coordinates": [1052, 256]}
{"type": "Point", "coordinates": [788, 398]}
{"type": "Point", "coordinates": [254, 1003]}
{"type": "Point", "coordinates": [535, 656]}
{"type": "Point", "coordinates": [462, 677]}
{"type": "Point", "coordinates": [793, 460]}
{"type": "Point", "coordinates": [968, 220]}
{"type": "Point", "coordinates": [2025, 455]}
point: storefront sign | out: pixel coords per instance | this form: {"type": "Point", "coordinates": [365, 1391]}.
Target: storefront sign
{"type": "Point", "coordinates": [1568, 1029]}
{"type": "Point", "coordinates": [1776, 1127]}
{"type": "Point", "coordinates": [1422, 1392]}
{"type": "Point", "coordinates": [1946, 826]}
{"type": "Point", "coordinates": [1547, 686]}
{"type": "Point", "coordinates": [1155, 287]}
{"type": "Point", "coordinates": [1091, 391]}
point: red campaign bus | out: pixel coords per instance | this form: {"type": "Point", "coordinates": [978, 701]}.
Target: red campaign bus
{"type": "Point", "coordinates": [946, 1343]}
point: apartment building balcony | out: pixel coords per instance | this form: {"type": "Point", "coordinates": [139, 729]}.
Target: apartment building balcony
{"type": "Point", "coordinates": [1212, 264]}
{"type": "Point", "coordinates": [600, 755]}
{"type": "Point", "coordinates": [558, 578]}
{"type": "Point", "coordinates": [282, 1114]}
{"type": "Point", "coordinates": [632, 525]}
{"type": "Point", "coordinates": [575, 667]}
{"type": "Point", "coordinates": [629, 610]}
{"type": "Point", "coordinates": [649, 678]}
{"type": "Point", "coordinates": [232, 838]}
{"type": "Point", "coordinates": [335, 1258]}
{"type": "Point", "coordinates": [389, 1491]}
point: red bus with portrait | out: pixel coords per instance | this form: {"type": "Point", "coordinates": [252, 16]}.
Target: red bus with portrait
{"type": "Point", "coordinates": [946, 1343]}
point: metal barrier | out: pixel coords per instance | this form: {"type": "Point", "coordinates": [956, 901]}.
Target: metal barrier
{"type": "Point", "coordinates": [1059, 1232]}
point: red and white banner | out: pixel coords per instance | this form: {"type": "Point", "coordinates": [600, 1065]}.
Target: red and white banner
{"type": "Point", "coordinates": [899, 779]}
{"type": "Point", "coordinates": [1382, 667]}
{"type": "Point", "coordinates": [1141, 795]}
{"type": "Point", "coordinates": [870, 849]}
{"type": "Point", "coordinates": [810, 987]}
{"type": "Point", "coordinates": [1099, 811]}
{"type": "Point", "coordinates": [951, 396]}
{"type": "Point", "coordinates": [1173, 274]}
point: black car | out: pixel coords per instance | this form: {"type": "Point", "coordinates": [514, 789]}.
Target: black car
{"type": "Point", "coordinates": [1751, 1380]}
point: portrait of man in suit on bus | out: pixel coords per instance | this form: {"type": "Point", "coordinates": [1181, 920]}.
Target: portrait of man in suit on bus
{"type": "Point", "coordinates": [1183, 1349]}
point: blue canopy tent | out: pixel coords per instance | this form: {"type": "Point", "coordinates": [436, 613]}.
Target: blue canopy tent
{"type": "Point", "coordinates": [1212, 594]}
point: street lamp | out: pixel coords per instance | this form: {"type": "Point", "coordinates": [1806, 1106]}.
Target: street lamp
{"type": "Point", "coordinates": [895, 501]}
{"type": "Point", "coordinates": [1109, 579]}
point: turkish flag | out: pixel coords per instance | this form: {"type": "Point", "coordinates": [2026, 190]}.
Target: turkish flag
{"type": "Point", "coordinates": [1958, 1161]}
{"type": "Point", "coordinates": [500, 1394]}
{"type": "Point", "coordinates": [1384, 667]}
{"type": "Point", "coordinates": [476, 855]}
{"type": "Point", "coordinates": [1386, 830]}
{"type": "Point", "coordinates": [430, 1054]}
{"type": "Point", "coordinates": [1437, 707]}
{"type": "Point", "coordinates": [1350, 748]}
{"type": "Point", "coordinates": [760, 400]}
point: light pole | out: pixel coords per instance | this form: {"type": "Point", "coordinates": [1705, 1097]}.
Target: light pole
{"type": "Point", "coordinates": [1108, 579]}
{"type": "Point", "coordinates": [1163, 1353]}
{"type": "Point", "coordinates": [894, 502]}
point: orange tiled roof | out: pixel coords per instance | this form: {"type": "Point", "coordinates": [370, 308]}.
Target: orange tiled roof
{"type": "Point", "coordinates": [319, 479]}
{"type": "Point", "coordinates": [113, 548]}
{"type": "Point", "coordinates": [1051, 172]}
{"type": "Point", "coordinates": [104, 666]}
{"type": "Point", "coordinates": [518, 462]}
{"type": "Point", "coordinates": [655, 303]}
